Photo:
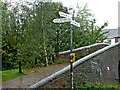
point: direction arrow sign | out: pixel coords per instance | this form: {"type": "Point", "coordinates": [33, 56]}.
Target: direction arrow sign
{"type": "Point", "coordinates": [62, 14]}
{"type": "Point", "coordinates": [61, 20]}
{"type": "Point", "coordinates": [75, 23]}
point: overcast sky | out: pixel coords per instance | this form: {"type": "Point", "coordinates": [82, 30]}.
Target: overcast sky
{"type": "Point", "coordinates": [104, 10]}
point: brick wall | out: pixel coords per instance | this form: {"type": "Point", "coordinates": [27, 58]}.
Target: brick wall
{"type": "Point", "coordinates": [79, 52]}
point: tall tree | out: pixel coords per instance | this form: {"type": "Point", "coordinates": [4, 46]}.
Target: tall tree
{"type": "Point", "coordinates": [88, 33]}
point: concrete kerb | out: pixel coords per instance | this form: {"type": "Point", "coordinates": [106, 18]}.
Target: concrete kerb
{"type": "Point", "coordinates": [42, 82]}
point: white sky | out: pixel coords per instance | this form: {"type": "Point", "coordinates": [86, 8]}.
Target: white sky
{"type": "Point", "coordinates": [104, 10]}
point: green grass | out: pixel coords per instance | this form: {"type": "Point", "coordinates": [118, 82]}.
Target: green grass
{"type": "Point", "coordinates": [11, 74]}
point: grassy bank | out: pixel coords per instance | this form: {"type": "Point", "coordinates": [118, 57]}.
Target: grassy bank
{"type": "Point", "coordinates": [11, 74]}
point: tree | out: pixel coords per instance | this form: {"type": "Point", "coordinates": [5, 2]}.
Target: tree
{"type": "Point", "coordinates": [31, 37]}
{"type": "Point", "coordinates": [88, 33]}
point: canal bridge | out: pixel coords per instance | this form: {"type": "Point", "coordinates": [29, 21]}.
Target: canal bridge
{"type": "Point", "coordinates": [96, 63]}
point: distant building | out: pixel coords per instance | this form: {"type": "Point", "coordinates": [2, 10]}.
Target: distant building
{"type": "Point", "coordinates": [119, 34]}
{"type": "Point", "coordinates": [113, 35]}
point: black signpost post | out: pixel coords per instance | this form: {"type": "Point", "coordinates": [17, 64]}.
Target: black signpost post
{"type": "Point", "coordinates": [68, 18]}
{"type": "Point", "coordinates": [71, 57]}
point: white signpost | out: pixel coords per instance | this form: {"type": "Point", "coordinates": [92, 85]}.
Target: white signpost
{"type": "Point", "coordinates": [75, 23]}
{"type": "Point", "coordinates": [61, 20]}
{"type": "Point", "coordinates": [68, 18]}
{"type": "Point", "coordinates": [62, 14]}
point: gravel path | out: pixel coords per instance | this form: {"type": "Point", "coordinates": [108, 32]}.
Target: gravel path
{"type": "Point", "coordinates": [26, 81]}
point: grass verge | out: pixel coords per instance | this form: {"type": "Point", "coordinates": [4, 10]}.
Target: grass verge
{"type": "Point", "coordinates": [11, 74]}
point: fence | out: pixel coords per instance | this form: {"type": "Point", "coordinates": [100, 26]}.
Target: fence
{"type": "Point", "coordinates": [101, 66]}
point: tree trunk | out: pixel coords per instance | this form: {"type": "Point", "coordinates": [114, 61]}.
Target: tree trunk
{"type": "Point", "coordinates": [20, 67]}
{"type": "Point", "coordinates": [44, 43]}
{"type": "Point", "coordinates": [45, 48]}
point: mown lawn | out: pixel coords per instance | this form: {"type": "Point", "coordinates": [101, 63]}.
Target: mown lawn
{"type": "Point", "coordinates": [11, 74]}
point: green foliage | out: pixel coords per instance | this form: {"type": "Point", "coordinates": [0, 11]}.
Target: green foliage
{"type": "Point", "coordinates": [88, 33]}
{"type": "Point", "coordinates": [30, 36]}
{"type": "Point", "coordinates": [8, 41]}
